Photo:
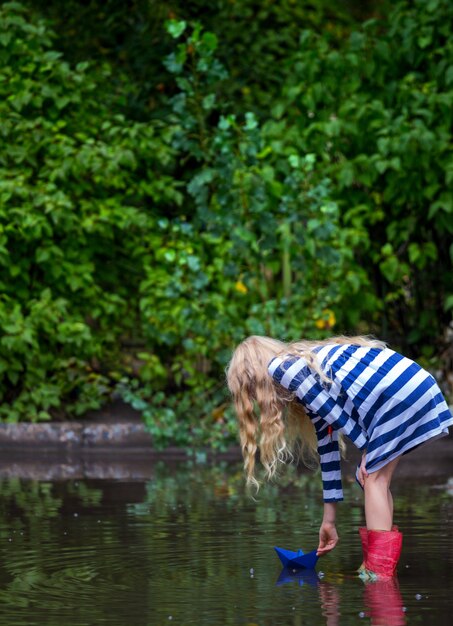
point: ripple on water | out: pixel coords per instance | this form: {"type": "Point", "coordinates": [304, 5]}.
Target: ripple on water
{"type": "Point", "coordinates": [193, 554]}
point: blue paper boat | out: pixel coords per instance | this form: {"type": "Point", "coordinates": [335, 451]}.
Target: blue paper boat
{"type": "Point", "coordinates": [301, 576]}
{"type": "Point", "coordinates": [297, 560]}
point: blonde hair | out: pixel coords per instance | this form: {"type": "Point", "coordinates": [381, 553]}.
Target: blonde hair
{"type": "Point", "coordinates": [269, 417]}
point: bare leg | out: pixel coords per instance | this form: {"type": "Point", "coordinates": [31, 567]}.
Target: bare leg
{"type": "Point", "coordinates": [390, 499]}
{"type": "Point", "coordinates": [378, 499]}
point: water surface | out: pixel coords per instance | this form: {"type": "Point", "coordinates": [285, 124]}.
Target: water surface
{"type": "Point", "coordinates": [189, 547]}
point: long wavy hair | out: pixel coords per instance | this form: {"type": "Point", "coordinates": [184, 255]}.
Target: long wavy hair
{"type": "Point", "coordinates": [269, 416]}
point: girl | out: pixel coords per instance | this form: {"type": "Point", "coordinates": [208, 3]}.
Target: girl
{"type": "Point", "coordinates": [308, 394]}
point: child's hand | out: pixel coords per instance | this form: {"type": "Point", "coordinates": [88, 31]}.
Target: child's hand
{"type": "Point", "coordinates": [363, 474]}
{"type": "Point", "coordinates": [328, 538]}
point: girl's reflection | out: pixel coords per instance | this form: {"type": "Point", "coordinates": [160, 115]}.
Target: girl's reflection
{"type": "Point", "coordinates": [382, 598]}
{"type": "Point", "coordinates": [330, 603]}
{"type": "Point", "coordinates": [384, 603]}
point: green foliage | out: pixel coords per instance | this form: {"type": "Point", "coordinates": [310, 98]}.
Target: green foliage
{"type": "Point", "coordinates": [378, 110]}
{"type": "Point", "coordinates": [158, 205]}
{"type": "Point", "coordinates": [255, 40]}
{"type": "Point", "coordinates": [77, 186]}
{"type": "Point", "coordinates": [257, 212]}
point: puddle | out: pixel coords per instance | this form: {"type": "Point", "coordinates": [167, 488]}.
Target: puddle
{"type": "Point", "coordinates": [189, 547]}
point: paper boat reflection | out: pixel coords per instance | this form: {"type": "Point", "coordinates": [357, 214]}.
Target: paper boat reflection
{"type": "Point", "coordinates": [302, 576]}
{"type": "Point", "coordinates": [297, 560]}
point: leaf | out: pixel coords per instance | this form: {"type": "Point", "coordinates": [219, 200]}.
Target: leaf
{"type": "Point", "coordinates": [390, 268]}
{"type": "Point", "coordinates": [208, 102]}
{"type": "Point", "coordinates": [387, 249]}
{"type": "Point", "coordinates": [250, 121]}
{"type": "Point", "coordinates": [448, 303]}
{"type": "Point", "coordinates": [225, 122]}
{"type": "Point", "coordinates": [210, 41]}
{"type": "Point", "coordinates": [346, 175]}
{"type": "Point", "coordinates": [445, 203]}
{"type": "Point", "coordinates": [449, 75]}
{"type": "Point", "coordinates": [382, 165]}
{"type": "Point", "coordinates": [414, 252]}
{"type": "Point", "coordinates": [175, 28]}
{"type": "Point", "coordinates": [5, 38]}
{"type": "Point", "coordinates": [200, 180]}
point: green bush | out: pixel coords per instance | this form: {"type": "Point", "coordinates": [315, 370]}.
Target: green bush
{"type": "Point", "coordinates": [258, 249]}
{"type": "Point", "coordinates": [135, 254]}
{"type": "Point", "coordinates": [78, 187]}
{"type": "Point", "coordinates": [379, 111]}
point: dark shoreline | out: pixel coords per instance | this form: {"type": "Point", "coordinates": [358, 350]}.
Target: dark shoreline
{"type": "Point", "coordinates": [123, 450]}
{"type": "Point", "coordinates": [90, 438]}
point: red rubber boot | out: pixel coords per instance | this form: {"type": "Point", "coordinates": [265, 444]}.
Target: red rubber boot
{"type": "Point", "coordinates": [363, 532]}
{"type": "Point", "coordinates": [384, 551]}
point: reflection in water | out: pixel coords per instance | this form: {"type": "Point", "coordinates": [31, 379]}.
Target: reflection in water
{"type": "Point", "coordinates": [301, 576]}
{"type": "Point", "coordinates": [330, 603]}
{"type": "Point", "coordinates": [382, 598]}
{"type": "Point", "coordinates": [190, 548]}
{"type": "Point", "coordinates": [329, 594]}
{"type": "Point", "coordinates": [384, 603]}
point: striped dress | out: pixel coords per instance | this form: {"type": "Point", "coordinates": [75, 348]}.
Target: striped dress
{"type": "Point", "coordinates": [384, 402]}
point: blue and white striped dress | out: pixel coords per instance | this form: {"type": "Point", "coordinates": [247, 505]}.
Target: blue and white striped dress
{"type": "Point", "coordinates": [384, 402]}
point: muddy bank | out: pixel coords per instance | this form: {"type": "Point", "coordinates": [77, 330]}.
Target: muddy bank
{"type": "Point", "coordinates": [124, 451]}
{"type": "Point", "coordinates": [70, 436]}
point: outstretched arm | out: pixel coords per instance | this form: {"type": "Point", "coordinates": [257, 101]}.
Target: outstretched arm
{"type": "Point", "coordinates": [328, 536]}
